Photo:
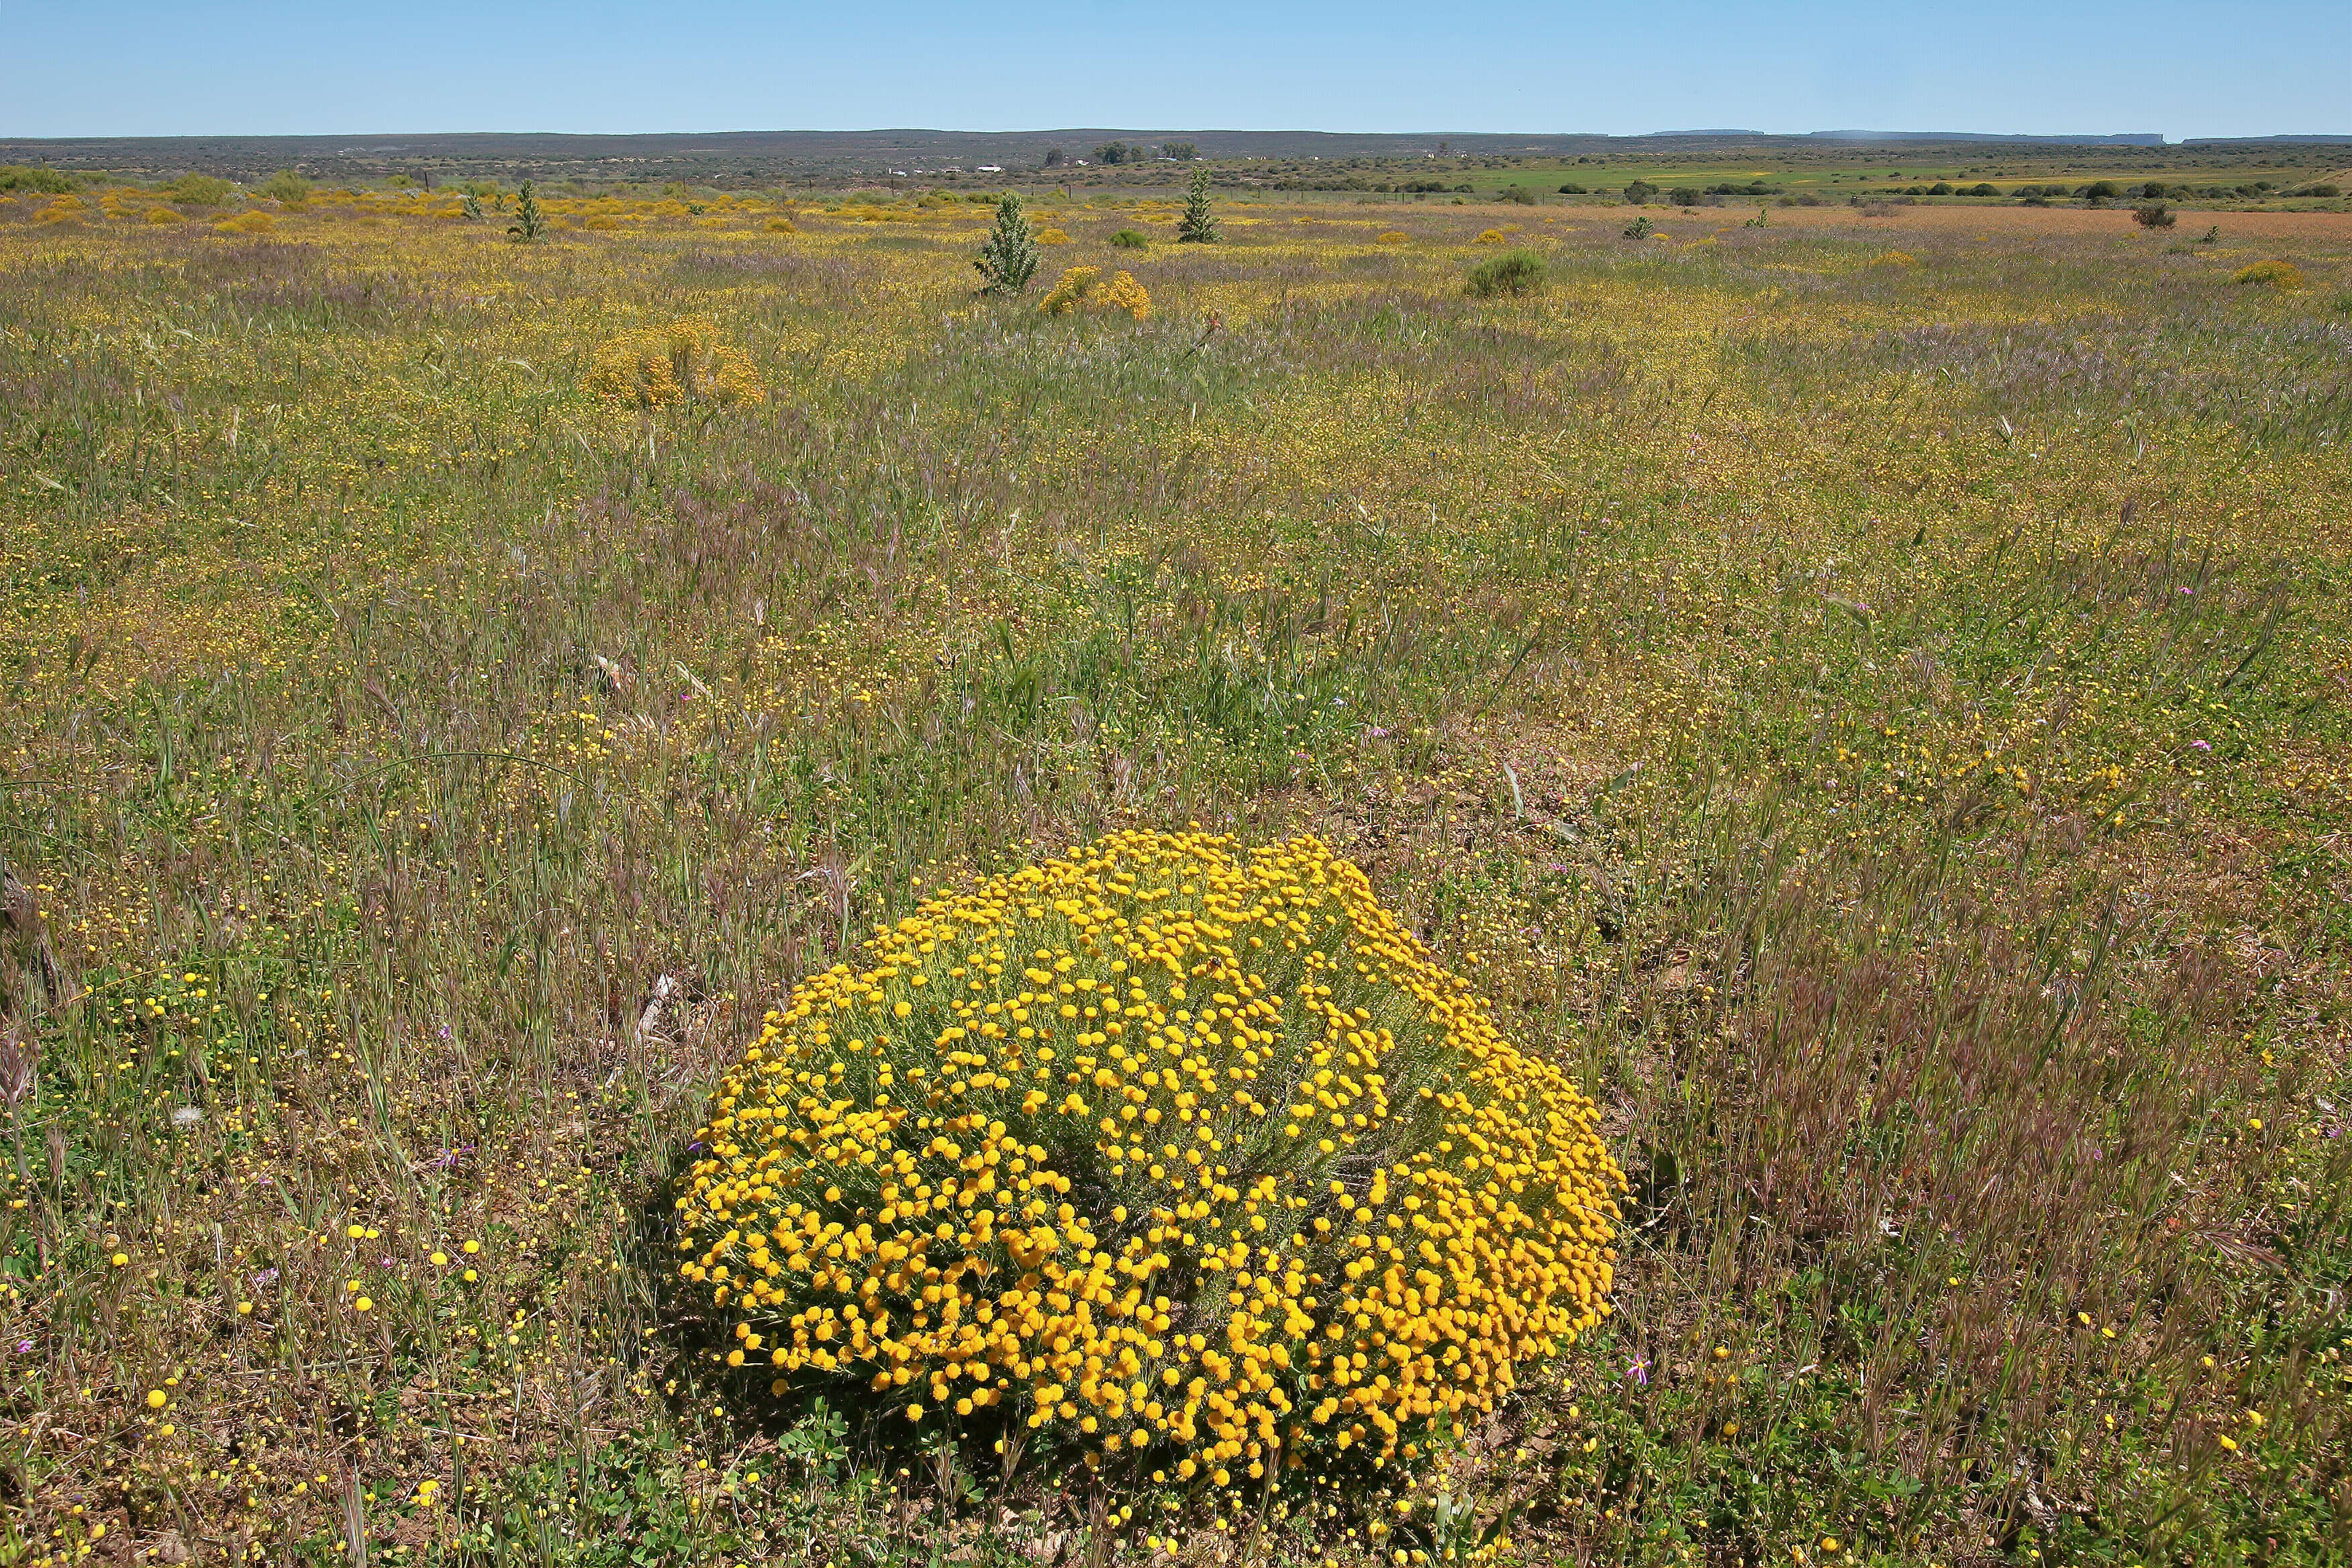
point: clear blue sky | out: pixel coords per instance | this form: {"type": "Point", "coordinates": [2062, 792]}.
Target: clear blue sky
{"type": "Point", "coordinates": [2185, 67]}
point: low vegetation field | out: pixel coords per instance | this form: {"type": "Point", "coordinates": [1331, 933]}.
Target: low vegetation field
{"type": "Point", "coordinates": [1868, 699]}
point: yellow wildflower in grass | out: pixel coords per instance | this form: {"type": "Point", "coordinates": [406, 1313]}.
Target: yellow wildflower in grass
{"type": "Point", "coordinates": [1894, 259]}
{"type": "Point", "coordinates": [1179, 1153]}
{"type": "Point", "coordinates": [1490, 236]}
{"type": "Point", "coordinates": [1390, 236]}
{"type": "Point", "coordinates": [1082, 288]}
{"type": "Point", "coordinates": [2273, 274]}
{"type": "Point", "coordinates": [246, 223]}
{"type": "Point", "coordinates": [1051, 236]}
{"type": "Point", "coordinates": [162, 214]}
{"type": "Point", "coordinates": [685, 362]}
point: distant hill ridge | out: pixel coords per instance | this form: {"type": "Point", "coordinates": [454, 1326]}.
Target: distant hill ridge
{"type": "Point", "coordinates": [768, 156]}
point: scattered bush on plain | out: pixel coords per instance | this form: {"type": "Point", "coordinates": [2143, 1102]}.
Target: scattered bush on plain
{"type": "Point", "coordinates": [1514, 273]}
{"type": "Point", "coordinates": [2270, 275]}
{"type": "Point", "coordinates": [1008, 257]}
{"type": "Point", "coordinates": [199, 190]}
{"type": "Point", "coordinates": [286, 188]}
{"type": "Point", "coordinates": [1082, 288]}
{"type": "Point", "coordinates": [1172, 1151]}
{"type": "Point", "coordinates": [662, 367]}
{"type": "Point", "coordinates": [1199, 223]}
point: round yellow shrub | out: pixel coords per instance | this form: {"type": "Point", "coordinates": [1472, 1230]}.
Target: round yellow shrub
{"type": "Point", "coordinates": [1175, 1152]}
{"type": "Point", "coordinates": [246, 223]}
{"type": "Point", "coordinates": [781, 225]}
{"type": "Point", "coordinates": [1390, 236]}
{"type": "Point", "coordinates": [1082, 288]}
{"type": "Point", "coordinates": [1491, 236]}
{"type": "Point", "coordinates": [1894, 259]}
{"type": "Point", "coordinates": [657, 367]}
{"type": "Point", "coordinates": [162, 214]}
{"type": "Point", "coordinates": [1052, 237]}
{"type": "Point", "coordinates": [2270, 274]}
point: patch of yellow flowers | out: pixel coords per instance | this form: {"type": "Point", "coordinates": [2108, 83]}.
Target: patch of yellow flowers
{"type": "Point", "coordinates": [1082, 288]}
{"type": "Point", "coordinates": [658, 367]}
{"type": "Point", "coordinates": [1164, 1146]}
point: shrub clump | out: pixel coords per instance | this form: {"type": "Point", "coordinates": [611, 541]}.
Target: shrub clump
{"type": "Point", "coordinates": [1515, 272]}
{"type": "Point", "coordinates": [1008, 257]}
{"type": "Point", "coordinates": [1082, 288]}
{"type": "Point", "coordinates": [1130, 239]}
{"type": "Point", "coordinates": [2269, 274]}
{"type": "Point", "coordinates": [659, 367]}
{"type": "Point", "coordinates": [1172, 1151]}
{"type": "Point", "coordinates": [1390, 236]}
{"type": "Point", "coordinates": [1052, 237]}
{"type": "Point", "coordinates": [199, 190]}
{"type": "Point", "coordinates": [1491, 236]}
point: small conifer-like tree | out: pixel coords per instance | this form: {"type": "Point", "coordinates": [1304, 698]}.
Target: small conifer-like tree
{"type": "Point", "coordinates": [1008, 257]}
{"type": "Point", "coordinates": [1199, 225]}
{"type": "Point", "coordinates": [527, 224]}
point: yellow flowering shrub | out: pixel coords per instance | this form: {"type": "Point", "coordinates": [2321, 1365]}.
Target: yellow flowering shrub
{"type": "Point", "coordinates": [1490, 236]}
{"type": "Point", "coordinates": [1082, 288]}
{"type": "Point", "coordinates": [1894, 259]}
{"type": "Point", "coordinates": [1390, 236]}
{"type": "Point", "coordinates": [683, 361]}
{"type": "Point", "coordinates": [2273, 274]}
{"type": "Point", "coordinates": [246, 223]}
{"type": "Point", "coordinates": [781, 225]}
{"type": "Point", "coordinates": [1051, 236]}
{"type": "Point", "coordinates": [162, 214]}
{"type": "Point", "coordinates": [1169, 1149]}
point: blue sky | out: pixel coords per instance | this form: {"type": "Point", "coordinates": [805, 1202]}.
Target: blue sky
{"type": "Point", "coordinates": [2185, 67]}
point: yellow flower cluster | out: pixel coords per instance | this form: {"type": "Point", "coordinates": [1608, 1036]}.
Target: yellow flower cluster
{"type": "Point", "coordinates": [1082, 288]}
{"type": "Point", "coordinates": [2273, 274]}
{"type": "Point", "coordinates": [1180, 1153]}
{"type": "Point", "coordinates": [662, 366]}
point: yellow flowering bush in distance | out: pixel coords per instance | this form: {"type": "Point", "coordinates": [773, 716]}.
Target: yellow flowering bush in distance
{"type": "Point", "coordinates": [658, 367]}
{"type": "Point", "coordinates": [1170, 1150]}
{"type": "Point", "coordinates": [2272, 274]}
{"type": "Point", "coordinates": [1082, 288]}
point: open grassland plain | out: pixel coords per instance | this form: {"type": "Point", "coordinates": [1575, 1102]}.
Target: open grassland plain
{"type": "Point", "coordinates": [1863, 699]}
